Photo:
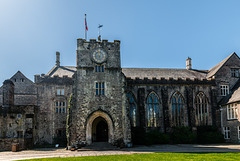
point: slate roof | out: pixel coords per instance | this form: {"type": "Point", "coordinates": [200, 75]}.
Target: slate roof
{"type": "Point", "coordinates": [159, 73]}
{"type": "Point", "coordinates": [217, 67]}
{"type": "Point", "coordinates": [62, 71]}
{"type": "Point", "coordinates": [231, 98]}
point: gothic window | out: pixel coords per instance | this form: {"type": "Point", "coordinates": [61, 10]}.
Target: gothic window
{"type": "Point", "coordinates": [60, 91]}
{"type": "Point", "coordinates": [177, 109]}
{"type": "Point", "coordinates": [224, 90]}
{"type": "Point", "coordinates": [99, 68]}
{"type": "Point", "coordinates": [60, 107]}
{"type": "Point", "coordinates": [132, 104]}
{"type": "Point", "coordinates": [152, 110]}
{"type": "Point", "coordinates": [232, 111]}
{"type": "Point", "coordinates": [201, 109]}
{"type": "Point", "coordinates": [100, 88]}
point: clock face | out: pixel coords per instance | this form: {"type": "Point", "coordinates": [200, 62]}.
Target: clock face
{"type": "Point", "coordinates": [99, 56]}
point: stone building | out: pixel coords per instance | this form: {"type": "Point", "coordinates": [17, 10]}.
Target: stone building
{"type": "Point", "coordinates": [107, 101]}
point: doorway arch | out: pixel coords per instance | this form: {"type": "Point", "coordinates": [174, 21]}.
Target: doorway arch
{"type": "Point", "coordinates": [99, 130]}
{"type": "Point", "coordinates": [99, 127]}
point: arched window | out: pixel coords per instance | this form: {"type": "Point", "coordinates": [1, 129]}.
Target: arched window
{"type": "Point", "coordinates": [132, 104]}
{"type": "Point", "coordinates": [201, 109]}
{"type": "Point", "coordinates": [177, 109]}
{"type": "Point", "coordinates": [152, 110]}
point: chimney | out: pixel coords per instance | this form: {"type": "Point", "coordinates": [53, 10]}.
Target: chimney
{"type": "Point", "coordinates": [57, 59]}
{"type": "Point", "coordinates": [189, 63]}
{"type": "Point", "coordinates": [8, 93]}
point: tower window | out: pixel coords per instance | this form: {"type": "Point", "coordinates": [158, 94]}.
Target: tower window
{"type": "Point", "coordinates": [60, 91]}
{"type": "Point", "coordinates": [99, 68]}
{"type": "Point", "coordinates": [60, 107]}
{"type": "Point", "coordinates": [100, 88]}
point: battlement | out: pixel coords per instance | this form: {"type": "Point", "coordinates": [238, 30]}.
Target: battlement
{"type": "Point", "coordinates": [56, 79]}
{"type": "Point", "coordinates": [170, 80]}
{"type": "Point", "coordinates": [82, 44]}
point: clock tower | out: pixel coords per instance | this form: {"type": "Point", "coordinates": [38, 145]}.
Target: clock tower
{"type": "Point", "coordinates": [99, 111]}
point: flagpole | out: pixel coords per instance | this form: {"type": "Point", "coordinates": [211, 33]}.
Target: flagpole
{"type": "Point", "coordinates": [85, 27]}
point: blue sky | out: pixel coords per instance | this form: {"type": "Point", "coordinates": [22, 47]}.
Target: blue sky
{"type": "Point", "coordinates": [153, 33]}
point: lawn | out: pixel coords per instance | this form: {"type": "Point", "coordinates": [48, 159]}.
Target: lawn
{"type": "Point", "coordinates": [155, 156]}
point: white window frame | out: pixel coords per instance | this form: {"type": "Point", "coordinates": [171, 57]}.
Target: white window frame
{"type": "Point", "coordinates": [232, 111]}
{"type": "Point", "coordinates": [226, 132]}
{"type": "Point", "coordinates": [224, 90]}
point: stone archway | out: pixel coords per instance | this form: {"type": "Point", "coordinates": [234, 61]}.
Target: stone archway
{"type": "Point", "coordinates": [99, 128]}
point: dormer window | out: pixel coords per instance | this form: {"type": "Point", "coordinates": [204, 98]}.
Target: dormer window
{"type": "Point", "coordinates": [234, 72]}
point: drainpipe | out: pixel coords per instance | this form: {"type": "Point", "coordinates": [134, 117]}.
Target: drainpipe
{"type": "Point", "coordinates": [221, 109]}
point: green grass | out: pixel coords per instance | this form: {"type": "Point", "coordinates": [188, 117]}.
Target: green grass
{"type": "Point", "coordinates": [155, 157]}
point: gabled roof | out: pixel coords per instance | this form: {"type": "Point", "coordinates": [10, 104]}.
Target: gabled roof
{"type": "Point", "coordinates": [19, 74]}
{"type": "Point", "coordinates": [62, 71]}
{"type": "Point", "coordinates": [216, 68]}
{"type": "Point", "coordinates": [159, 73]}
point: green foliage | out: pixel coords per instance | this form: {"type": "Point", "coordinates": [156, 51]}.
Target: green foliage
{"type": "Point", "coordinates": [183, 135]}
{"type": "Point", "coordinates": [138, 135]}
{"type": "Point", "coordinates": [209, 135]}
{"type": "Point", "coordinates": [154, 157]}
{"type": "Point", "coordinates": [156, 137]}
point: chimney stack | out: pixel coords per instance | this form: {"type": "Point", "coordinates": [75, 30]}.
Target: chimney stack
{"type": "Point", "coordinates": [57, 59]}
{"type": "Point", "coordinates": [189, 63]}
{"type": "Point", "coordinates": [8, 93]}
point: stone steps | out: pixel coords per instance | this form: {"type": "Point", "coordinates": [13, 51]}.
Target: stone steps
{"type": "Point", "coordinates": [98, 146]}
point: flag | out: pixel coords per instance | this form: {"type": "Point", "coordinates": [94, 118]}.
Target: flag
{"type": "Point", "coordinates": [86, 28]}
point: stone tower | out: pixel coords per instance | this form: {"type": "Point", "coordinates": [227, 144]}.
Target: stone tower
{"type": "Point", "coordinates": [99, 111]}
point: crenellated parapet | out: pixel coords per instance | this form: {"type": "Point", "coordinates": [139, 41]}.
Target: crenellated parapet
{"type": "Point", "coordinates": [43, 79]}
{"type": "Point", "coordinates": [170, 81]}
{"type": "Point", "coordinates": [85, 49]}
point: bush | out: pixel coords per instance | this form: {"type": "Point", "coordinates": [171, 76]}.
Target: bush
{"type": "Point", "coordinates": [138, 135]}
{"type": "Point", "coordinates": [209, 135]}
{"type": "Point", "coordinates": [155, 137]}
{"type": "Point", "coordinates": [183, 135]}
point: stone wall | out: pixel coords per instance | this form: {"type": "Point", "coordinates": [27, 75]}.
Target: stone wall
{"type": "Point", "coordinates": [49, 121]}
{"type": "Point", "coordinates": [164, 90]}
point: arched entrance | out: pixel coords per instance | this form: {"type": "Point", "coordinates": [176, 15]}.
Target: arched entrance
{"type": "Point", "coordinates": [100, 130]}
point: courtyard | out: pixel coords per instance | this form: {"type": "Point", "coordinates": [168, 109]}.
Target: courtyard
{"type": "Point", "coordinates": [62, 153]}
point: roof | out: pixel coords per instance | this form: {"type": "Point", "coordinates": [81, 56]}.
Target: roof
{"type": "Point", "coordinates": [235, 97]}
{"type": "Point", "coordinates": [159, 73]}
{"type": "Point", "coordinates": [216, 68]}
{"type": "Point", "coordinates": [62, 71]}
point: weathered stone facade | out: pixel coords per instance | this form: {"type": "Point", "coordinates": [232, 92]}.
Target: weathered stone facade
{"type": "Point", "coordinates": [108, 100]}
{"type": "Point", "coordinates": [88, 106]}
